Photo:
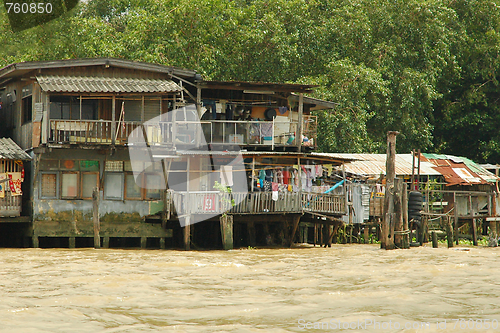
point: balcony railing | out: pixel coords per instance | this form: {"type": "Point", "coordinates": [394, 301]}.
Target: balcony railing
{"type": "Point", "coordinates": [265, 133]}
{"type": "Point", "coordinates": [10, 205]}
{"type": "Point", "coordinates": [257, 203]}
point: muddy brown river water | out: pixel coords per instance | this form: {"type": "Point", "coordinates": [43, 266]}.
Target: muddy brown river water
{"type": "Point", "coordinates": [359, 288]}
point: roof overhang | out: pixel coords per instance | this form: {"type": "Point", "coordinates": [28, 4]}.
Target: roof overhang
{"type": "Point", "coordinates": [19, 69]}
{"type": "Point", "coordinates": [95, 84]}
{"type": "Point", "coordinates": [257, 87]}
{"type": "Point", "coordinates": [316, 104]}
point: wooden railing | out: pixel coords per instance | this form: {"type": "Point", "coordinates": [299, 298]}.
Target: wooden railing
{"type": "Point", "coordinates": [10, 205]}
{"type": "Point", "coordinates": [265, 133]}
{"type": "Point", "coordinates": [257, 203]}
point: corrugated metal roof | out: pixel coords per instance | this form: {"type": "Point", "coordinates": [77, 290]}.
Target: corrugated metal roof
{"type": "Point", "coordinates": [460, 170]}
{"type": "Point", "coordinates": [374, 164]}
{"type": "Point", "coordinates": [94, 84]}
{"type": "Point", "coordinates": [9, 150]}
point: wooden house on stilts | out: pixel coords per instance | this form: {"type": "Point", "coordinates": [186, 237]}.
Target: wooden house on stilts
{"type": "Point", "coordinates": [132, 154]}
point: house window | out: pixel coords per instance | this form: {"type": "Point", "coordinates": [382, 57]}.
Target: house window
{"type": "Point", "coordinates": [132, 190]}
{"type": "Point", "coordinates": [69, 185]}
{"type": "Point", "coordinates": [27, 103]}
{"type": "Point", "coordinates": [48, 185]}
{"type": "Point", "coordinates": [113, 186]}
{"type": "Point", "coordinates": [153, 181]}
{"type": "Point", "coordinates": [89, 182]}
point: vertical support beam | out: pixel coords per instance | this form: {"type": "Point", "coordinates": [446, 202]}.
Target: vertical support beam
{"type": "Point", "coordinates": [144, 241]}
{"type": "Point", "coordinates": [142, 109]}
{"type": "Point", "coordinates": [474, 232]}
{"type": "Point", "coordinates": [105, 242]}
{"type": "Point", "coordinates": [251, 233]}
{"type": "Point", "coordinates": [406, 234]}
{"type": "Point", "coordinates": [187, 233]}
{"type": "Point", "coordinates": [449, 232]}
{"type": "Point", "coordinates": [435, 240]}
{"type": "Point", "coordinates": [113, 120]}
{"type": "Point", "coordinates": [253, 171]}
{"type": "Point", "coordinates": [455, 207]}
{"type": "Point", "coordinates": [387, 241]}
{"type": "Point", "coordinates": [95, 212]}
{"type": "Point", "coordinates": [366, 233]}
{"type": "Point", "coordinates": [162, 243]}
{"type": "Point", "coordinates": [295, 225]}
{"type": "Point", "coordinates": [198, 100]}
{"type": "Point", "coordinates": [72, 242]}
{"type": "Point", "coordinates": [398, 211]}
{"type": "Point", "coordinates": [226, 229]}
{"type": "Point", "coordinates": [300, 127]}
{"type": "Point", "coordinates": [36, 243]}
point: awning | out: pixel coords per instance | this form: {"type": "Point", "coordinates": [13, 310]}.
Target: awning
{"type": "Point", "coordinates": [94, 84]}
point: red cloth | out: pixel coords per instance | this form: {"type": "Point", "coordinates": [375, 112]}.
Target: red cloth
{"type": "Point", "coordinates": [274, 186]}
{"type": "Point", "coordinates": [286, 177]}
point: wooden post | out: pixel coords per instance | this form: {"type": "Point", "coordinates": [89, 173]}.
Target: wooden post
{"type": "Point", "coordinates": [387, 241]}
{"type": "Point", "coordinates": [455, 207]}
{"type": "Point", "coordinates": [406, 235]}
{"type": "Point", "coordinates": [300, 124]}
{"type": "Point", "coordinates": [36, 243]}
{"type": "Point", "coordinates": [72, 242]}
{"type": "Point", "coordinates": [251, 233]}
{"type": "Point", "coordinates": [398, 210]}
{"type": "Point", "coordinates": [366, 233]}
{"type": "Point", "coordinates": [474, 232]}
{"type": "Point", "coordinates": [105, 242]}
{"type": "Point", "coordinates": [144, 242]}
{"type": "Point", "coordinates": [435, 240]}
{"type": "Point", "coordinates": [449, 232]}
{"type": "Point", "coordinates": [295, 224]}
{"type": "Point", "coordinates": [187, 233]}
{"type": "Point", "coordinates": [226, 229]}
{"type": "Point", "coordinates": [113, 120]}
{"type": "Point", "coordinates": [97, 226]}
{"type": "Point", "coordinates": [162, 243]}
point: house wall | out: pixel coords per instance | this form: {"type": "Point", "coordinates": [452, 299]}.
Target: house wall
{"type": "Point", "coordinates": [59, 217]}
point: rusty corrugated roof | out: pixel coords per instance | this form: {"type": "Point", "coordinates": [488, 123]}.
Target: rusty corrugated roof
{"type": "Point", "coordinates": [94, 84]}
{"type": "Point", "coordinates": [460, 170]}
{"type": "Point", "coordinates": [374, 164]}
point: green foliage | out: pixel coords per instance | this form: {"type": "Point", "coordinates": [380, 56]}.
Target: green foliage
{"type": "Point", "coordinates": [425, 68]}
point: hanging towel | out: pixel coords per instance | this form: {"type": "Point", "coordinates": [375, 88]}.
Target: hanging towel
{"type": "Point", "coordinates": [262, 174]}
{"type": "Point", "coordinates": [286, 177]}
{"type": "Point", "coordinates": [282, 109]}
{"type": "Point", "coordinates": [279, 177]}
{"type": "Point", "coordinates": [269, 175]}
{"type": "Point", "coordinates": [275, 188]}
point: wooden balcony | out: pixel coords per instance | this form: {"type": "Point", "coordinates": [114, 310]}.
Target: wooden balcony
{"type": "Point", "coordinates": [257, 203]}
{"type": "Point", "coordinates": [245, 133]}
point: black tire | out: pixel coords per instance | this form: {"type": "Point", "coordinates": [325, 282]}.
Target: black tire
{"type": "Point", "coordinates": [415, 207]}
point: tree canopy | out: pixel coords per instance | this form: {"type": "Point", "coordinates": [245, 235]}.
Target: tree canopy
{"type": "Point", "coordinates": [425, 68]}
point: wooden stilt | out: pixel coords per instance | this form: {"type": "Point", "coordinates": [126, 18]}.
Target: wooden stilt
{"type": "Point", "coordinates": [449, 232]}
{"type": "Point", "coordinates": [366, 233]}
{"type": "Point", "coordinates": [105, 242]}
{"type": "Point", "coordinates": [144, 241]}
{"type": "Point", "coordinates": [474, 232]}
{"type": "Point", "coordinates": [455, 215]}
{"type": "Point", "coordinates": [251, 233]}
{"type": "Point", "coordinates": [97, 226]}
{"type": "Point", "coordinates": [295, 225]}
{"type": "Point", "coordinates": [162, 243]}
{"type": "Point", "coordinates": [226, 225]}
{"type": "Point", "coordinates": [72, 242]}
{"type": "Point", "coordinates": [435, 240]}
{"type": "Point", "coordinates": [36, 243]}
{"type": "Point", "coordinates": [187, 234]}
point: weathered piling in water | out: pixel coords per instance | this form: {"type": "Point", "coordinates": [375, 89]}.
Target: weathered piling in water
{"type": "Point", "coordinates": [434, 240]}
{"type": "Point", "coordinates": [95, 211]}
{"type": "Point", "coordinates": [388, 225]}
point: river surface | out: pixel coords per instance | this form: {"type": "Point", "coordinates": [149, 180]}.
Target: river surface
{"type": "Point", "coordinates": [265, 290]}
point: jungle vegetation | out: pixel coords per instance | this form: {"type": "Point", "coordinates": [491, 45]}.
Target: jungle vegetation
{"type": "Point", "coordinates": [426, 68]}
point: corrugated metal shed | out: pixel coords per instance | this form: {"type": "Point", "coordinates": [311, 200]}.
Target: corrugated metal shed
{"type": "Point", "coordinates": [9, 150]}
{"type": "Point", "coordinates": [93, 84]}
